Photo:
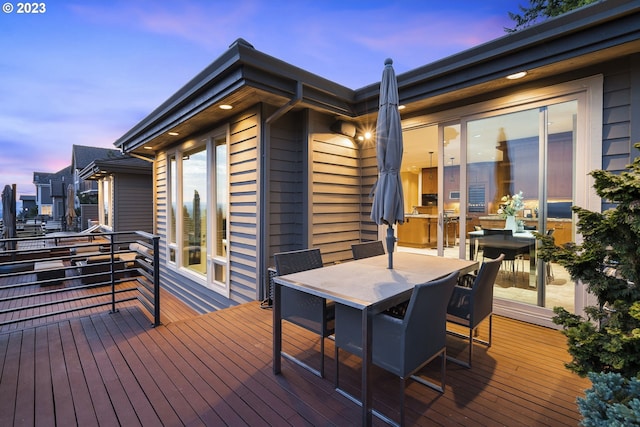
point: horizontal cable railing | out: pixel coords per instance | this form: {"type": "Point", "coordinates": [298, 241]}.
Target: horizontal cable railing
{"type": "Point", "coordinates": [59, 273]}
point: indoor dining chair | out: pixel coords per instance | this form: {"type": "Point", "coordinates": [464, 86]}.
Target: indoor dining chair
{"type": "Point", "coordinates": [470, 306]}
{"type": "Point", "coordinates": [307, 311]}
{"type": "Point", "coordinates": [402, 346]}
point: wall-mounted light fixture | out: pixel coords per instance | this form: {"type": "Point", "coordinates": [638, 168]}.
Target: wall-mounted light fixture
{"type": "Point", "coordinates": [344, 128]}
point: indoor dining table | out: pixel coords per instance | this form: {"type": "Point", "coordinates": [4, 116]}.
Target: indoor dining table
{"type": "Point", "coordinates": [369, 286]}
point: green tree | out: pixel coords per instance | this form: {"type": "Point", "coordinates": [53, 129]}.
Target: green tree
{"type": "Point", "coordinates": [540, 10]}
{"type": "Point", "coordinates": [608, 262]}
{"type": "Point", "coordinates": [606, 344]}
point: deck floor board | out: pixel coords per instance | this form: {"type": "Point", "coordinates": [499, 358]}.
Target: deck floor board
{"type": "Point", "coordinates": [216, 369]}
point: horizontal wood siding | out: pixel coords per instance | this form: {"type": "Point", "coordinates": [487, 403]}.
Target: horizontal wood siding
{"type": "Point", "coordinates": [616, 120]}
{"type": "Point", "coordinates": [336, 191]}
{"type": "Point", "coordinates": [286, 186]}
{"type": "Point", "coordinates": [369, 166]}
{"type": "Point", "coordinates": [243, 206]}
{"type": "Point", "coordinates": [617, 142]}
{"type": "Point", "coordinates": [133, 202]}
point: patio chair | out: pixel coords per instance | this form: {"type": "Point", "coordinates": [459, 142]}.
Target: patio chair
{"type": "Point", "coordinates": [367, 249]}
{"type": "Point", "coordinates": [402, 346]}
{"type": "Point", "coordinates": [469, 307]}
{"type": "Point", "coordinates": [307, 311]}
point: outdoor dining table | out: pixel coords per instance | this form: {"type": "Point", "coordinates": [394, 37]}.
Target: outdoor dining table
{"type": "Point", "coordinates": [367, 285]}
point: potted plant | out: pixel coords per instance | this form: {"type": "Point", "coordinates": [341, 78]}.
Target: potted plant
{"type": "Point", "coordinates": [509, 207]}
{"type": "Point", "coordinates": [607, 340]}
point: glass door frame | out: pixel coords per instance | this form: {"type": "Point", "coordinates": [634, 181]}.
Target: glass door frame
{"type": "Point", "coordinates": [588, 157]}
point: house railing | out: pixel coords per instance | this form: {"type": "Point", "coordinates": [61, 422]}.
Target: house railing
{"type": "Point", "coordinates": [60, 273]}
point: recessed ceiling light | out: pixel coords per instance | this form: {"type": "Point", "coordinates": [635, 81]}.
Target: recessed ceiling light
{"type": "Point", "coordinates": [401, 107]}
{"type": "Point", "coordinates": [226, 107]}
{"type": "Point", "coordinates": [148, 147]}
{"type": "Point", "coordinates": [516, 76]}
{"type": "Point", "coordinates": [173, 133]}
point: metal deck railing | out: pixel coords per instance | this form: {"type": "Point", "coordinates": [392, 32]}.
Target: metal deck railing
{"type": "Point", "coordinates": [60, 273]}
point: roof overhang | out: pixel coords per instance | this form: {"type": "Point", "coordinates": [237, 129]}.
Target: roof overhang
{"type": "Point", "coordinates": [591, 35]}
{"type": "Point", "coordinates": [101, 168]}
{"type": "Point", "coordinates": [244, 77]}
{"type": "Point", "coordinates": [241, 77]}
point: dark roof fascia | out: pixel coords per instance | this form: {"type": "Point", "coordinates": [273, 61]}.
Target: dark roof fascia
{"type": "Point", "coordinates": [240, 66]}
{"type": "Point", "coordinates": [102, 167]}
{"type": "Point", "coordinates": [583, 31]}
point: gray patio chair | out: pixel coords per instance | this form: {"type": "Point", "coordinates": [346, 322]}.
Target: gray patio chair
{"type": "Point", "coordinates": [469, 307]}
{"type": "Point", "coordinates": [307, 311]}
{"type": "Point", "coordinates": [402, 346]}
{"type": "Point", "coordinates": [367, 249]}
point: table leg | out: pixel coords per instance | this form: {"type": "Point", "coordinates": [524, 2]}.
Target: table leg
{"type": "Point", "coordinates": [472, 248]}
{"type": "Point", "coordinates": [277, 328]}
{"type": "Point", "coordinates": [367, 360]}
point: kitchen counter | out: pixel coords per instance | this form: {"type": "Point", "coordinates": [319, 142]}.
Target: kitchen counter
{"type": "Point", "coordinates": [421, 231]}
{"type": "Point", "coordinates": [563, 227]}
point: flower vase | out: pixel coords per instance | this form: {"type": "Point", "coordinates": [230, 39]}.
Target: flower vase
{"type": "Point", "coordinates": [510, 223]}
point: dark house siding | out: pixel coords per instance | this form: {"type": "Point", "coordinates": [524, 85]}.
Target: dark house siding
{"type": "Point", "coordinates": [621, 96]}
{"type": "Point", "coordinates": [286, 190]}
{"type": "Point", "coordinates": [133, 203]}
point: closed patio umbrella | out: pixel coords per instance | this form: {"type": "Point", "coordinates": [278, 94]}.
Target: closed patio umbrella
{"type": "Point", "coordinates": [71, 205]}
{"type": "Point", "coordinates": [388, 201]}
{"type": "Point", "coordinates": [8, 216]}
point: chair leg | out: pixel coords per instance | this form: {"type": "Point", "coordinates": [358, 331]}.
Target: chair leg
{"type": "Point", "coordinates": [337, 379]}
{"type": "Point", "coordinates": [403, 386]}
{"type": "Point", "coordinates": [470, 346]}
{"type": "Point", "coordinates": [490, 328]}
{"type": "Point", "coordinates": [322, 357]}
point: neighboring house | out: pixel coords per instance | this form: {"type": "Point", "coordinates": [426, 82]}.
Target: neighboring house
{"type": "Point", "coordinates": [60, 182]}
{"type": "Point", "coordinates": [256, 156]}
{"type": "Point", "coordinates": [28, 203]}
{"type": "Point", "coordinates": [50, 193]}
{"type": "Point", "coordinates": [125, 192]}
{"type": "Point", "coordinates": [81, 157]}
{"type": "Point", "coordinates": [42, 181]}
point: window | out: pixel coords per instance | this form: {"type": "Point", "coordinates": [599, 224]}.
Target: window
{"type": "Point", "coordinates": [197, 210]}
{"type": "Point", "coordinates": [173, 200]}
{"type": "Point", "coordinates": [106, 202]}
{"type": "Point", "coordinates": [194, 209]}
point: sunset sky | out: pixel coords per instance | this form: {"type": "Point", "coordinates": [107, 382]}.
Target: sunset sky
{"type": "Point", "coordinates": [85, 72]}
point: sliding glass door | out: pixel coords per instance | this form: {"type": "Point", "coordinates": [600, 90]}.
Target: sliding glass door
{"type": "Point", "coordinates": [527, 154]}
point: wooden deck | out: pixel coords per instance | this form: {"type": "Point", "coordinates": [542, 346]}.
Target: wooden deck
{"type": "Point", "coordinates": [215, 369]}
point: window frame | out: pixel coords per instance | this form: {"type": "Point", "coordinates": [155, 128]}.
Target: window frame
{"type": "Point", "coordinates": [175, 242]}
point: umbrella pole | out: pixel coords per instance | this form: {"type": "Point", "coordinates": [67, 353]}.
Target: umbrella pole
{"type": "Point", "coordinates": [391, 239]}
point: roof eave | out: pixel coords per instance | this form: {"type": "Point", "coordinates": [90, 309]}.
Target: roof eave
{"type": "Point", "coordinates": [240, 68]}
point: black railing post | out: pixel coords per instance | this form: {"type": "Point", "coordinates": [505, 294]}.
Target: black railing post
{"type": "Point", "coordinates": [156, 280]}
{"type": "Point", "coordinates": [113, 275]}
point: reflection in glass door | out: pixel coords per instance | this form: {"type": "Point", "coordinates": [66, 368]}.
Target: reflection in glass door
{"type": "Point", "coordinates": [528, 153]}
{"type": "Point", "coordinates": [449, 191]}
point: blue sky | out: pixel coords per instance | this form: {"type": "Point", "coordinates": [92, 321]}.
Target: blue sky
{"type": "Point", "coordinates": [85, 72]}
